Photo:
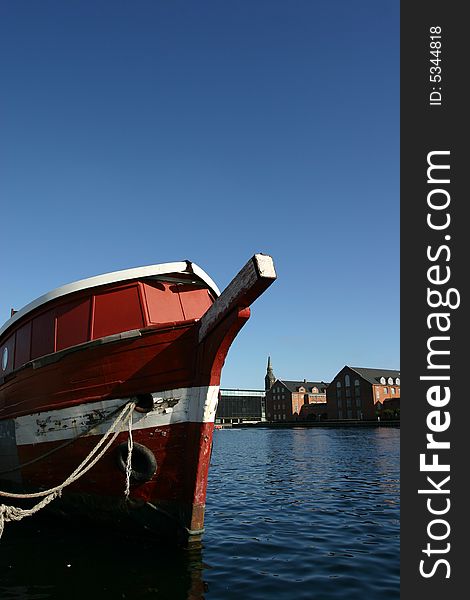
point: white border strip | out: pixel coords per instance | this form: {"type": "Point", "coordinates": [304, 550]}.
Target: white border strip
{"type": "Point", "coordinates": [182, 405]}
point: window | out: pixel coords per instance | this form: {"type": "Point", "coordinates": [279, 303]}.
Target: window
{"type": "Point", "coordinates": [358, 401]}
{"type": "Point", "coordinates": [385, 390]}
{"type": "Point", "coordinates": [392, 390]}
{"type": "Point", "coordinates": [390, 381]}
{"type": "Point", "coordinates": [347, 380]}
{"type": "Point", "coordinates": [382, 380]}
{"type": "Point", "coordinates": [397, 381]}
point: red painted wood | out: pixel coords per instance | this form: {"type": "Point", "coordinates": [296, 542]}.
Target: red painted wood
{"type": "Point", "coordinates": [23, 345]}
{"type": "Point", "coordinates": [160, 359]}
{"type": "Point", "coordinates": [182, 451]}
{"type": "Point", "coordinates": [72, 323]}
{"type": "Point", "coordinates": [43, 335]}
{"type": "Point", "coordinates": [215, 346]}
{"type": "Point", "coordinates": [117, 311]}
{"type": "Point", "coordinates": [194, 300]}
{"type": "Point", "coordinates": [163, 302]}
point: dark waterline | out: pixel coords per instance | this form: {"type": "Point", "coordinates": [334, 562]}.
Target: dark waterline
{"type": "Point", "coordinates": [296, 513]}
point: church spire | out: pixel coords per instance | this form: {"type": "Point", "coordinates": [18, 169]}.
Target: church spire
{"type": "Point", "coordinates": [269, 378]}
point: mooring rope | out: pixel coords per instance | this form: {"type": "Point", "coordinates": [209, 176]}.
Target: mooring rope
{"type": "Point", "coordinates": [84, 433]}
{"type": "Point", "coordinates": [130, 445]}
{"type": "Point", "coordinates": [14, 513]}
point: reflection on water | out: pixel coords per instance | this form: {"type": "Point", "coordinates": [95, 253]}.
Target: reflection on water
{"type": "Point", "coordinates": [300, 513]}
{"type": "Point", "coordinates": [50, 562]}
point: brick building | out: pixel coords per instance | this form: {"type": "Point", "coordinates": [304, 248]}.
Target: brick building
{"type": "Point", "coordinates": [315, 411]}
{"type": "Point", "coordinates": [293, 400]}
{"type": "Point", "coordinates": [362, 393]}
{"type": "Point", "coordinates": [288, 400]}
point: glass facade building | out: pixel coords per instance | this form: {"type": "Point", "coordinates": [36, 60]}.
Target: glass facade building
{"type": "Point", "coordinates": [239, 406]}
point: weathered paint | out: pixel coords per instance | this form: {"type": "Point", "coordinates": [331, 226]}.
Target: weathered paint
{"type": "Point", "coordinates": [197, 404]}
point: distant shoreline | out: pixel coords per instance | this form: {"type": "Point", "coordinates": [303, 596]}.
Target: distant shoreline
{"type": "Point", "coordinates": [307, 424]}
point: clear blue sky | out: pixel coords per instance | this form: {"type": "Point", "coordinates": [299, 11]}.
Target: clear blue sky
{"type": "Point", "coordinates": [134, 133]}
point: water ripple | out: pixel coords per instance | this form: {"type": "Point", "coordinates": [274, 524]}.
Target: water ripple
{"type": "Point", "coordinates": [292, 514]}
{"type": "Point", "coordinates": [304, 513]}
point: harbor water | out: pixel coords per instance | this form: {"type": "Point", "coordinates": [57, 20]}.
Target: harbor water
{"type": "Point", "coordinates": [294, 513]}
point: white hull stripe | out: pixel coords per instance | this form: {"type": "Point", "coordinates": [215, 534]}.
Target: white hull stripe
{"type": "Point", "coordinates": [182, 405]}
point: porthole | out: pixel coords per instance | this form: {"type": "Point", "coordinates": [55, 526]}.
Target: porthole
{"type": "Point", "coordinates": [4, 358]}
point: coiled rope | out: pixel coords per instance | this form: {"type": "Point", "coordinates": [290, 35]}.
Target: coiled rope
{"type": "Point", "coordinates": [14, 513]}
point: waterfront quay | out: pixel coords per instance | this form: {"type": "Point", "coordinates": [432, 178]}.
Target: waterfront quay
{"type": "Point", "coordinates": [357, 396]}
{"type": "Point", "coordinates": [326, 423]}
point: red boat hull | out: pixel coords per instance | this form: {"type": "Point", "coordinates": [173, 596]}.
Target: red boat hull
{"type": "Point", "coordinates": [56, 407]}
{"type": "Point", "coordinates": [44, 398]}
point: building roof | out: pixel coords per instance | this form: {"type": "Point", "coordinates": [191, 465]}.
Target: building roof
{"type": "Point", "coordinates": [374, 375]}
{"type": "Point", "coordinates": [293, 386]}
{"type": "Point", "coordinates": [239, 392]}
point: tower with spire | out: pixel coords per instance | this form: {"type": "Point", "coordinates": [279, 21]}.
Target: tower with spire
{"type": "Point", "coordinates": [269, 378]}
